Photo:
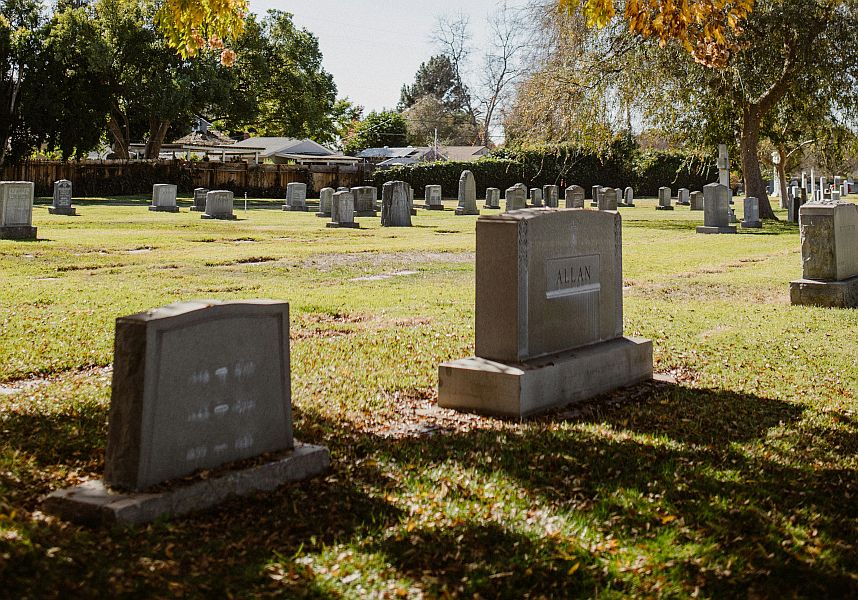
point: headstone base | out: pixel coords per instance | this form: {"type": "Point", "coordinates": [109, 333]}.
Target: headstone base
{"type": "Point", "coordinates": [321, 214]}
{"type": "Point", "coordinates": [664, 208]}
{"type": "Point", "coordinates": [17, 232]}
{"type": "Point", "coordinates": [834, 294]}
{"type": "Point", "coordinates": [487, 207]}
{"type": "Point", "coordinates": [684, 203]}
{"type": "Point", "coordinates": [704, 229]}
{"type": "Point", "coordinates": [92, 503]}
{"type": "Point", "coordinates": [172, 209]}
{"type": "Point", "coordinates": [220, 217]}
{"type": "Point", "coordinates": [462, 211]}
{"type": "Point", "coordinates": [436, 206]}
{"type": "Point", "coordinates": [67, 211]}
{"type": "Point", "coordinates": [366, 213]}
{"type": "Point", "coordinates": [518, 390]}
{"type": "Point", "coordinates": [343, 225]}
{"type": "Point", "coordinates": [295, 208]}
{"type": "Point", "coordinates": [198, 209]}
{"type": "Point", "coordinates": [752, 224]}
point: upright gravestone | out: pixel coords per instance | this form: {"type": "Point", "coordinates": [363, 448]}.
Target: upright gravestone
{"type": "Point", "coordinates": [62, 204]}
{"type": "Point", "coordinates": [829, 255]}
{"type": "Point", "coordinates": [516, 197]}
{"type": "Point", "coordinates": [199, 199]}
{"type": "Point", "coordinates": [608, 199]}
{"type": "Point", "coordinates": [716, 210]}
{"type": "Point", "coordinates": [683, 197]}
{"type": "Point", "coordinates": [574, 196]}
{"type": "Point", "coordinates": [196, 386]}
{"type": "Point", "coordinates": [723, 166]}
{"type": "Point", "coordinates": [365, 197]}
{"type": "Point", "coordinates": [551, 333]}
{"type": "Point", "coordinates": [219, 205]}
{"type": "Point", "coordinates": [621, 199]}
{"type": "Point", "coordinates": [164, 198]}
{"type": "Point", "coordinates": [594, 195]}
{"type": "Point", "coordinates": [492, 198]}
{"type": "Point", "coordinates": [664, 199]}
{"type": "Point", "coordinates": [751, 215]}
{"type": "Point", "coordinates": [835, 195]}
{"type": "Point", "coordinates": [343, 211]}
{"type": "Point", "coordinates": [536, 197]}
{"type": "Point", "coordinates": [343, 189]}
{"type": "Point", "coordinates": [433, 197]}
{"type": "Point", "coordinates": [696, 200]}
{"type": "Point", "coordinates": [629, 197]}
{"type": "Point", "coordinates": [551, 196]}
{"type": "Point", "coordinates": [16, 210]}
{"type": "Point", "coordinates": [796, 202]}
{"type": "Point", "coordinates": [395, 205]}
{"type": "Point", "coordinates": [326, 198]}
{"type": "Point", "coordinates": [296, 197]}
{"type": "Point", "coordinates": [467, 195]}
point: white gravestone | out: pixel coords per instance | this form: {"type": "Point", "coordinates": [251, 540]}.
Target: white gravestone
{"type": "Point", "coordinates": [326, 197]}
{"type": "Point", "coordinates": [62, 202]}
{"type": "Point", "coordinates": [751, 215]}
{"type": "Point", "coordinates": [219, 205]}
{"type": "Point", "coordinates": [716, 210]}
{"type": "Point", "coordinates": [683, 197]}
{"type": "Point", "coordinates": [551, 195]}
{"type": "Point", "coordinates": [620, 197]}
{"type": "Point", "coordinates": [467, 195]}
{"type": "Point", "coordinates": [395, 205]}
{"type": "Point", "coordinates": [200, 199]}
{"type": "Point", "coordinates": [296, 197]}
{"type": "Point", "coordinates": [629, 197]}
{"type": "Point", "coordinates": [196, 386]}
{"type": "Point", "coordinates": [664, 199]}
{"type": "Point", "coordinates": [343, 211]}
{"type": "Point", "coordinates": [16, 210]}
{"type": "Point", "coordinates": [432, 197]}
{"type": "Point", "coordinates": [574, 196]}
{"type": "Point", "coordinates": [164, 198]}
{"type": "Point", "coordinates": [492, 198]}
{"type": "Point", "coordinates": [550, 332]}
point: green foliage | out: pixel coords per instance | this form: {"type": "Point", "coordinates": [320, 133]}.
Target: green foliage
{"type": "Point", "coordinates": [437, 79]}
{"type": "Point", "coordinates": [378, 129]}
{"type": "Point", "coordinates": [563, 165]}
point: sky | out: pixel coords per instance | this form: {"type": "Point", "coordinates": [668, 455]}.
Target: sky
{"type": "Point", "coordinates": [373, 47]}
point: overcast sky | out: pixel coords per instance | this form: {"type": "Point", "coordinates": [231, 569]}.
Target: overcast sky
{"type": "Point", "coordinates": [372, 47]}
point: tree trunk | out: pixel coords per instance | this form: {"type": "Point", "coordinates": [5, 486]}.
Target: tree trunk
{"type": "Point", "coordinates": [749, 149]}
{"type": "Point", "coordinates": [157, 132]}
{"type": "Point", "coordinates": [120, 139]}
{"type": "Point", "coordinates": [782, 153]}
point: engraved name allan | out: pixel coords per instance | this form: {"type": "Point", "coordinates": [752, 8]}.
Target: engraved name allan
{"type": "Point", "coordinates": [571, 276]}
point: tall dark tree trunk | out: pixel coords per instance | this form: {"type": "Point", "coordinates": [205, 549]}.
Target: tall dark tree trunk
{"type": "Point", "coordinates": [120, 137]}
{"type": "Point", "coordinates": [781, 167]}
{"type": "Point", "coordinates": [157, 132]}
{"type": "Point", "coordinates": [749, 143]}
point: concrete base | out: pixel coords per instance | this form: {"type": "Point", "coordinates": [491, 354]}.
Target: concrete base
{"type": "Point", "coordinates": [704, 229]}
{"type": "Point", "coordinates": [752, 224]}
{"type": "Point", "coordinates": [664, 208]}
{"type": "Point", "coordinates": [220, 217]}
{"type": "Point", "coordinates": [92, 503]}
{"type": "Point", "coordinates": [321, 214]}
{"type": "Point", "coordinates": [68, 211]}
{"type": "Point", "coordinates": [486, 207]}
{"type": "Point", "coordinates": [433, 206]}
{"type": "Point", "coordinates": [683, 203]}
{"type": "Point", "coordinates": [835, 294]}
{"type": "Point", "coordinates": [296, 208]}
{"type": "Point", "coordinates": [461, 211]}
{"type": "Point", "coordinates": [518, 390]}
{"type": "Point", "coordinates": [342, 225]}
{"type": "Point", "coordinates": [366, 213]}
{"type": "Point", "coordinates": [17, 232]}
{"type": "Point", "coordinates": [172, 209]}
{"type": "Point", "coordinates": [198, 209]}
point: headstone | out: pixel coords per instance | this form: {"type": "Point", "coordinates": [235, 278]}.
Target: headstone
{"type": "Point", "coordinates": [326, 198]}
{"type": "Point", "coordinates": [620, 197]}
{"type": "Point", "coordinates": [716, 210]}
{"type": "Point", "coordinates": [296, 197]}
{"type": "Point", "coordinates": [343, 211]}
{"type": "Point", "coordinates": [551, 331]}
{"type": "Point", "coordinates": [200, 199]}
{"type": "Point", "coordinates": [62, 204]}
{"type": "Point", "coordinates": [776, 179]}
{"type": "Point", "coordinates": [751, 215]}
{"type": "Point", "coordinates": [516, 197]}
{"type": "Point", "coordinates": [664, 199]}
{"type": "Point", "coordinates": [796, 204]}
{"type": "Point", "coordinates": [551, 195]}
{"type": "Point", "coordinates": [804, 179]}
{"type": "Point", "coordinates": [630, 197]}
{"type": "Point", "coordinates": [492, 198]}
{"type": "Point", "coordinates": [683, 197]}
{"type": "Point", "coordinates": [365, 197]}
{"type": "Point", "coordinates": [723, 166]}
{"type": "Point", "coordinates": [594, 195]}
{"type": "Point", "coordinates": [16, 210]}
{"type": "Point", "coordinates": [219, 205]}
{"type": "Point", "coordinates": [835, 195]}
{"type": "Point", "coordinates": [395, 205]}
{"type": "Point", "coordinates": [829, 254]}
{"type": "Point", "coordinates": [696, 200]}
{"type": "Point", "coordinates": [608, 199]}
{"type": "Point", "coordinates": [164, 198]}
{"type": "Point", "coordinates": [467, 195]}
{"type": "Point", "coordinates": [574, 196]}
{"type": "Point", "coordinates": [844, 189]}
{"type": "Point", "coordinates": [793, 192]}
{"type": "Point", "coordinates": [536, 197]}
{"type": "Point", "coordinates": [823, 186]}
{"type": "Point", "coordinates": [433, 197]}
{"type": "Point", "coordinates": [196, 386]}
{"type": "Point", "coordinates": [812, 185]}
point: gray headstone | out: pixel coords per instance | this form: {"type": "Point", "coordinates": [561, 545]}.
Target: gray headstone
{"type": "Point", "coordinates": [219, 205]}
{"type": "Point", "coordinates": [365, 197]}
{"type": "Point", "coordinates": [62, 193]}
{"type": "Point", "coordinates": [620, 197]}
{"type": "Point", "coordinates": [664, 198]}
{"type": "Point", "coordinates": [433, 197]}
{"type": "Point", "coordinates": [16, 210]}
{"type": "Point", "coordinates": [343, 211]}
{"type": "Point", "coordinates": [200, 199]}
{"type": "Point", "coordinates": [395, 205]}
{"type": "Point", "coordinates": [829, 240]}
{"type": "Point", "coordinates": [716, 210]}
{"type": "Point", "coordinates": [296, 196]}
{"type": "Point", "coordinates": [551, 195]}
{"type": "Point", "coordinates": [326, 197]}
{"type": "Point", "coordinates": [696, 200]}
{"type": "Point", "coordinates": [629, 196]}
{"type": "Point", "coordinates": [683, 197]}
{"type": "Point", "coordinates": [574, 196]}
{"type": "Point", "coordinates": [197, 385]}
{"type": "Point", "coordinates": [608, 199]}
{"type": "Point", "coordinates": [343, 189]}
{"type": "Point", "coordinates": [516, 197]}
{"type": "Point", "coordinates": [594, 195]}
{"type": "Point", "coordinates": [835, 195]}
{"type": "Point", "coordinates": [492, 197]}
{"type": "Point", "coordinates": [467, 195]}
{"type": "Point", "coordinates": [536, 197]}
{"type": "Point", "coordinates": [164, 198]}
{"type": "Point", "coordinates": [751, 215]}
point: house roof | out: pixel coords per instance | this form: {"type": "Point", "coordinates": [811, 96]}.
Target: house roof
{"type": "Point", "coordinates": [393, 152]}
{"type": "Point", "coordinates": [277, 146]}
{"type": "Point", "coordinates": [211, 137]}
{"type": "Point", "coordinates": [463, 153]}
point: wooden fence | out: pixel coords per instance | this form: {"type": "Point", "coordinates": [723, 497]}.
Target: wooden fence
{"type": "Point", "coordinates": [121, 177]}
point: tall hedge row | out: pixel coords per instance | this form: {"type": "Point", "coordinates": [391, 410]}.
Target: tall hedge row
{"type": "Point", "coordinates": [624, 165]}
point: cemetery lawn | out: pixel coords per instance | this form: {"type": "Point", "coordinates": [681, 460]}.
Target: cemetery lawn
{"type": "Point", "coordinates": [733, 475]}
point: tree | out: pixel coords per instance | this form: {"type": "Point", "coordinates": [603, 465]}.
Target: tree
{"type": "Point", "coordinates": [436, 78]}
{"type": "Point", "coordinates": [191, 26]}
{"type": "Point", "coordinates": [428, 116]}
{"type": "Point", "coordinates": [378, 129]}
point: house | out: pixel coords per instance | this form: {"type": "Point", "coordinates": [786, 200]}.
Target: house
{"type": "Point", "coordinates": [281, 150]}
{"type": "Point", "coordinates": [387, 157]}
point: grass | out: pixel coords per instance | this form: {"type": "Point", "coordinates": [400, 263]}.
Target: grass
{"type": "Point", "coordinates": [734, 475]}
